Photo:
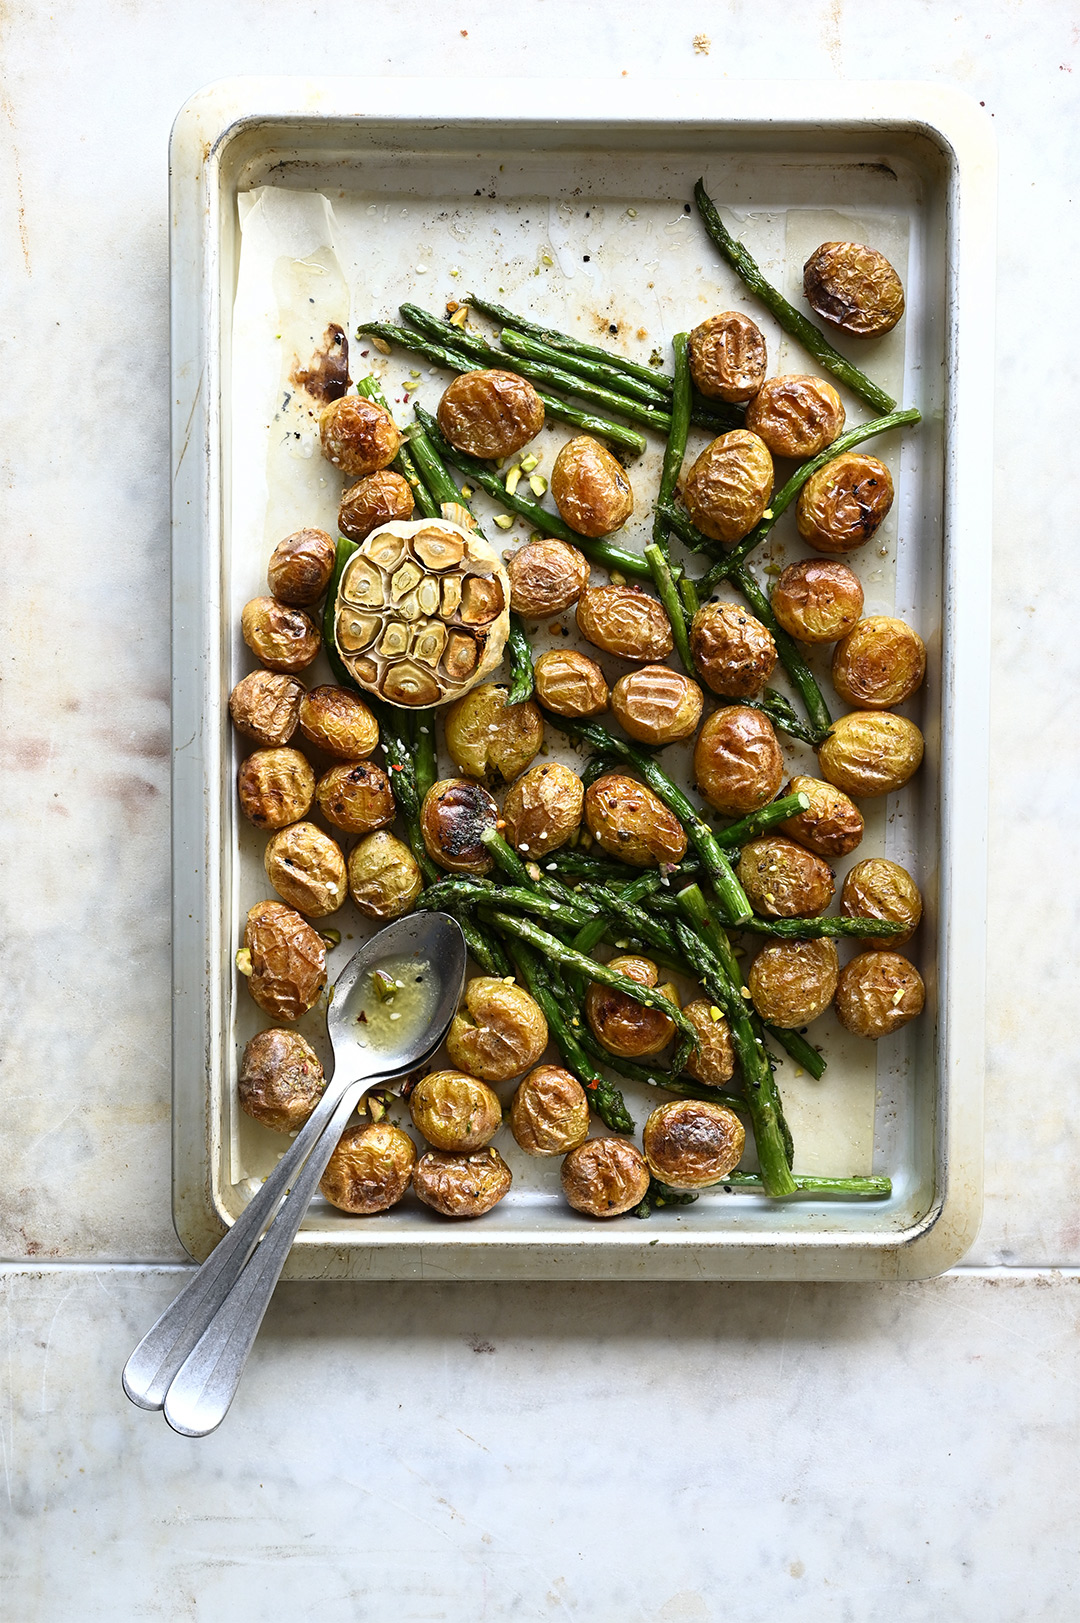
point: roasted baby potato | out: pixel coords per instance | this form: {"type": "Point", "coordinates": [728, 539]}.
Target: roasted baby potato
{"type": "Point", "coordinates": [280, 1080]}
{"type": "Point", "coordinates": [729, 486]}
{"type": "Point", "coordinates": [881, 662]}
{"type": "Point", "coordinates": [489, 739]}
{"type": "Point", "coordinates": [370, 1169]}
{"type": "Point", "coordinates": [307, 869]}
{"type": "Point", "coordinates": [624, 1027]}
{"type": "Point", "coordinates": [877, 993]}
{"type": "Point", "coordinates": [831, 826]}
{"type": "Point", "coordinates": [853, 287]}
{"type": "Point", "coordinates": [546, 577]}
{"type": "Point", "coordinates": [384, 876]}
{"type": "Point", "coordinates": [358, 436]}
{"type": "Point", "coordinates": [570, 683]}
{"type": "Point", "coordinates": [287, 960]}
{"type": "Point", "coordinates": [784, 880]}
{"type": "Point", "coordinates": [356, 796]}
{"type": "Point", "coordinates": [792, 982]}
{"type": "Point", "coordinates": [454, 1111]}
{"type": "Point", "coordinates": [737, 761]}
{"type": "Point", "coordinates": [550, 1113]}
{"type": "Point", "coordinates": [490, 413]}
{"type": "Point", "coordinates": [300, 567]}
{"type": "Point", "coordinates": [692, 1143]}
{"type": "Point", "coordinates": [713, 1060]}
{"type": "Point", "coordinates": [817, 600]}
{"type": "Point", "coordinates": [378, 498]}
{"type": "Point", "coordinates": [842, 505]}
{"type": "Point", "coordinates": [880, 889]}
{"type": "Point", "coordinates": [624, 621]}
{"type": "Point", "coordinates": [631, 823]}
{"type": "Point", "coordinates": [284, 639]}
{"type": "Point", "coordinates": [727, 357]}
{"type": "Point", "coordinates": [733, 651]}
{"type": "Point", "coordinates": [796, 416]}
{"type": "Point", "coordinates": [337, 721]}
{"type": "Point", "coordinates": [657, 705]}
{"type": "Point", "coordinates": [455, 813]}
{"type": "Point", "coordinates": [543, 808]}
{"type": "Point", "coordinates": [590, 488]}
{"type": "Point", "coordinates": [871, 752]}
{"type": "Point", "coordinates": [276, 787]}
{"type": "Point", "coordinates": [462, 1185]}
{"type": "Point", "coordinates": [605, 1177]}
{"type": "Point", "coordinates": [500, 1032]}
{"type": "Point", "coordinates": [265, 706]}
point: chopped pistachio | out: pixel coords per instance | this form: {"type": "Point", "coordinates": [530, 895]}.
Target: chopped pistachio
{"type": "Point", "coordinates": [533, 870]}
{"type": "Point", "coordinates": [546, 259]}
{"type": "Point", "coordinates": [745, 990]}
{"type": "Point", "coordinates": [537, 535]}
{"type": "Point", "coordinates": [537, 484]}
{"type": "Point", "coordinates": [460, 316]}
{"type": "Point", "coordinates": [331, 937]}
{"type": "Point", "coordinates": [898, 996]}
{"type": "Point", "coordinates": [714, 1014]}
{"type": "Point", "coordinates": [382, 985]}
{"type": "Point", "coordinates": [632, 213]}
{"type": "Point", "coordinates": [512, 480]}
{"type": "Point", "coordinates": [467, 491]}
{"type": "Point", "coordinates": [504, 520]}
{"type": "Point", "coordinates": [243, 961]}
{"type": "Point", "coordinates": [381, 345]}
{"type": "Point", "coordinates": [455, 272]}
{"type": "Point", "coordinates": [617, 579]}
{"type": "Point", "coordinates": [528, 463]}
{"type": "Point", "coordinates": [768, 513]}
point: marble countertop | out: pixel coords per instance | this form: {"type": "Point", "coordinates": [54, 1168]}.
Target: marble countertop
{"type": "Point", "coordinates": [661, 1453]}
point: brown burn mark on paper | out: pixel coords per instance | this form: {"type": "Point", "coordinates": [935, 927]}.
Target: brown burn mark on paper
{"type": "Point", "coordinates": [326, 376]}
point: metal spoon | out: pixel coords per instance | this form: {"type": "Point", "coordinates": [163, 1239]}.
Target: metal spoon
{"type": "Point", "coordinates": [434, 939]}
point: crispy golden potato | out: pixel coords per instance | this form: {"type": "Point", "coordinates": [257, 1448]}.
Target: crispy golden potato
{"type": "Point", "coordinates": [300, 567]}
{"type": "Point", "coordinates": [455, 813]}
{"type": "Point", "coordinates": [590, 488]}
{"type": "Point", "coordinates": [631, 823]}
{"type": "Point", "coordinates": [546, 577]}
{"type": "Point", "coordinates": [624, 1027]}
{"type": "Point", "coordinates": [729, 486]}
{"type": "Point", "coordinates": [455, 1111]}
{"type": "Point", "coordinates": [784, 880]}
{"type": "Point", "coordinates": [570, 683]}
{"type": "Point", "coordinates": [727, 357]}
{"type": "Point", "coordinates": [489, 739]}
{"type": "Point", "coordinates": [817, 600]}
{"type": "Point", "coordinates": [280, 1080]}
{"type": "Point", "coordinates": [877, 993]}
{"type": "Point", "coordinates": [796, 416]}
{"type": "Point", "coordinates": [692, 1143]}
{"type": "Point", "coordinates": [737, 761]}
{"type": "Point", "coordinates": [284, 639]}
{"type": "Point", "coordinates": [831, 826]}
{"type": "Point", "coordinates": [490, 413]}
{"type": "Point", "coordinates": [550, 1113]}
{"type": "Point", "coordinates": [853, 287]}
{"type": "Point", "coordinates": [543, 808]}
{"type": "Point", "coordinates": [288, 961]}
{"type": "Point", "coordinates": [605, 1177]}
{"type": "Point", "coordinates": [276, 787]}
{"type": "Point", "coordinates": [792, 982]}
{"type": "Point", "coordinates": [625, 621]}
{"type": "Point", "coordinates": [384, 876]}
{"type": "Point", "coordinates": [657, 705]}
{"type": "Point", "coordinates": [871, 752]}
{"type": "Point", "coordinates": [337, 721]}
{"type": "Point", "coordinates": [356, 796]}
{"type": "Point", "coordinates": [881, 662]}
{"type": "Point", "coordinates": [370, 1169]}
{"type": "Point", "coordinates": [880, 889]}
{"type": "Point", "coordinates": [462, 1185]}
{"type": "Point", "coordinates": [500, 1032]}
{"type": "Point", "coordinates": [307, 869]}
{"type": "Point", "coordinates": [358, 436]}
{"type": "Point", "coordinates": [734, 652]}
{"type": "Point", "coordinates": [265, 706]}
{"type": "Point", "coordinates": [378, 498]}
{"type": "Point", "coordinates": [842, 505]}
{"type": "Point", "coordinates": [713, 1060]}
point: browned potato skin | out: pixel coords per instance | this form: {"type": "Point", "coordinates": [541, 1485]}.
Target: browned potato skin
{"type": "Point", "coordinates": [378, 498]}
{"type": "Point", "coordinates": [489, 739]}
{"type": "Point", "coordinates": [737, 760]}
{"type": "Point", "coordinates": [370, 1169]}
{"type": "Point", "coordinates": [335, 720]}
{"type": "Point", "coordinates": [543, 809]}
{"type": "Point", "coordinates": [784, 880]}
{"type": "Point", "coordinates": [455, 1111]}
{"type": "Point", "coordinates": [727, 357]}
{"type": "Point", "coordinates": [265, 706]}
{"type": "Point", "coordinates": [605, 1177]}
{"type": "Point", "coordinates": [625, 622]}
{"type": "Point", "coordinates": [692, 1143]}
{"type": "Point", "coordinates": [462, 1185]}
{"type": "Point", "coordinates": [624, 1027]}
{"type": "Point", "coordinates": [358, 436]}
{"type": "Point", "coordinates": [490, 413]}
{"type": "Point", "coordinates": [817, 600]}
{"type": "Point", "coordinates": [284, 639]}
{"type": "Point", "coordinates": [384, 876]}
{"type": "Point", "coordinates": [280, 1081]}
{"type": "Point", "coordinates": [657, 705]}
{"type": "Point", "coordinates": [871, 752]}
{"type": "Point", "coordinates": [831, 826]}
{"type": "Point", "coordinates": [842, 505]}
{"type": "Point", "coordinates": [729, 486]}
{"type": "Point", "coordinates": [880, 889]}
{"type": "Point", "coordinates": [792, 982]}
{"type": "Point", "coordinates": [500, 1033]}
{"type": "Point", "coordinates": [881, 662]}
{"type": "Point", "coordinates": [550, 1113]}
{"type": "Point", "coordinates": [734, 652]}
{"type": "Point", "coordinates": [356, 796]}
{"type": "Point", "coordinates": [631, 823]}
{"type": "Point", "coordinates": [590, 488]}
{"type": "Point", "coordinates": [455, 813]}
{"type": "Point", "coordinates": [288, 961]}
{"type": "Point", "coordinates": [300, 567]}
{"type": "Point", "coordinates": [866, 991]}
{"type": "Point", "coordinates": [307, 869]}
{"type": "Point", "coordinates": [546, 577]}
{"type": "Point", "coordinates": [570, 683]}
{"type": "Point", "coordinates": [276, 787]}
{"type": "Point", "coordinates": [796, 415]}
{"type": "Point", "coordinates": [713, 1060]}
{"type": "Point", "coordinates": [853, 287]}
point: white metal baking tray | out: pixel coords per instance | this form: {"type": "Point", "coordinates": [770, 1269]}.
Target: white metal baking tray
{"type": "Point", "coordinates": [521, 154]}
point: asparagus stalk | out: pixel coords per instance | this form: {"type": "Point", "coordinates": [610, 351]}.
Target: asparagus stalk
{"type": "Point", "coordinates": [371, 389]}
{"type": "Point", "coordinates": [645, 412]}
{"type": "Point", "coordinates": [675, 450]}
{"type": "Point", "coordinates": [518, 873]}
{"type": "Point", "coordinates": [809, 1184]}
{"type": "Point", "coordinates": [802, 1052]}
{"type": "Point", "coordinates": [759, 822]}
{"type": "Point", "coordinates": [522, 677]}
{"type": "Point", "coordinates": [605, 373]}
{"type": "Point", "coordinates": [425, 763]}
{"type": "Point", "coordinates": [794, 323]}
{"type": "Point", "coordinates": [783, 714]}
{"type": "Point", "coordinates": [653, 1077]}
{"type": "Point", "coordinates": [657, 560]}
{"type": "Point", "coordinates": [790, 656]}
{"type": "Point", "coordinates": [831, 928]}
{"type": "Point", "coordinates": [658, 1195]}
{"type": "Point", "coordinates": [455, 892]}
{"type": "Point", "coordinates": [579, 864]}
{"type": "Point", "coordinates": [486, 949]}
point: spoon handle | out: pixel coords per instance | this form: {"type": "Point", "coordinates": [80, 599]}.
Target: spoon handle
{"type": "Point", "coordinates": [199, 1397]}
